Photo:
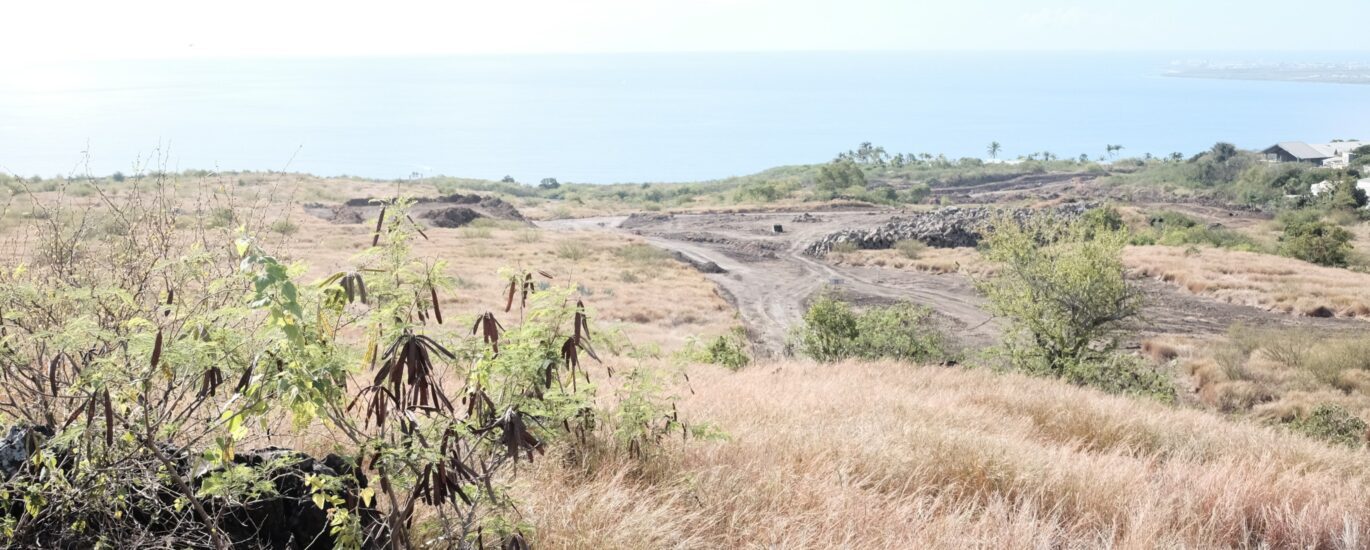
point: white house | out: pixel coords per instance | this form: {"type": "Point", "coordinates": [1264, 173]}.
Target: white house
{"type": "Point", "coordinates": [1325, 186]}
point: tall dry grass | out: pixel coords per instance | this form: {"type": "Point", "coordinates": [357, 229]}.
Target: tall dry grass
{"type": "Point", "coordinates": [1260, 280]}
{"type": "Point", "coordinates": [893, 456]}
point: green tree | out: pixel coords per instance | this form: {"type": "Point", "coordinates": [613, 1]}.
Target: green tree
{"type": "Point", "coordinates": [1061, 287]}
{"type": "Point", "coordinates": [1346, 195]}
{"type": "Point", "coordinates": [994, 149]}
{"type": "Point", "coordinates": [840, 174]}
{"type": "Point", "coordinates": [1223, 151]}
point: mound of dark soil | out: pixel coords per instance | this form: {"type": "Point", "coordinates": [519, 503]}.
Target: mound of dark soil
{"type": "Point", "coordinates": [452, 216]}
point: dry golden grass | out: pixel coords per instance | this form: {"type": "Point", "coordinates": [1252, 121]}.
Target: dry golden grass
{"type": "Point", "coordinates": [894, 456]}
{"type": "Point", "coordinates": [1274, 375]}
{"type": "Point", "coordinates": [1260, 280]}
{"type": "Point", "coordinates": [662, 302]}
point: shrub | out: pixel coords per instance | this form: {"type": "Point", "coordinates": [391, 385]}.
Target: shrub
{"type": "Point", "coordinates": [1311, 239]}
{"type": "Point", "coordinates": [166, 388]}
{"type": "Point", "coordinates": [1331, 423]}
{"type": "Point", "coordinates": [839, 175]}
{"type": "Point", "coordinates": [844, 247]}
{"type": "Point", "coordinates": [530, 235]}
{"type": "Point", "coordinates": [1122, 374]}
{"type": "Point", "coordinates": [475, 232]}
{"type": "Point", "coordinates": [831, 331]}
{"type": "Point", "coordinates": [284, 227]}
{"type": "Point", "coordinates": [910, 248]}
{"type": "Point", "coordinates": [642, 253]}
{"type": "Point", "coordinates": [1175, 229]}
{"type": "Point", "coordinates": [221, 217]}
{"type": "Point", "coordinates": [572, 250]}
{"type": "Point", "coordinates": [1062, 289]}
{"type": "Point", "coordinates": [728, 350]}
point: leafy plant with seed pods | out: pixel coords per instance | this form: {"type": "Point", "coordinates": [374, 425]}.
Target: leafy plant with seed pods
{"type": "Point", "coordinates": [142, 379]}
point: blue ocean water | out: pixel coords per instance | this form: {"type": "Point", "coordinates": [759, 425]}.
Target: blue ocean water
{"type": "Point", "coordinates": [637, 117]}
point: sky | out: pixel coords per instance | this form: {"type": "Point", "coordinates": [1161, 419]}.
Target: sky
{"type": "Point", "coordinates": [81, 30]}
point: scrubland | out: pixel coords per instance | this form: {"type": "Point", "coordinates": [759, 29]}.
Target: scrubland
{"type": "Point", "coordinates": [794, 454]}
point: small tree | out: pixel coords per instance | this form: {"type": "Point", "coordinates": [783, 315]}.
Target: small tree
{"type": "Point", "coordinates": [994, 149]}
{"type": "Point", "coordinates": [840, 174]}
{"type": "Point", "coordinates": [549, 183]}
{"type": "Point", "coordinates": [1061, 287]}
{"type": "Point", "coordinates": [1311, 239]}
{"type": "Point", "coordinates": [1223, 151]}
{"type": "Point", "coordinates": [1346, 194]}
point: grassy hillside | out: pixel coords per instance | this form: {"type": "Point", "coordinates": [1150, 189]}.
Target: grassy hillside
{"type": "Point", "coordinates": [890, 455]}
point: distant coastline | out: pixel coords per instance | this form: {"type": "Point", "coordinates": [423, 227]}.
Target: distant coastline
{"type": "Point", "coordinates": [1329, 73]}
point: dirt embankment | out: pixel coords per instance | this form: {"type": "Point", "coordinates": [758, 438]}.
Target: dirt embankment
{"type": "Point", "coordinates": [453, 210]}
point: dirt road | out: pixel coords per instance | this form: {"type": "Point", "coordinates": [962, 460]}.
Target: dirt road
{"type": "Point", "coordinates": [770, 281]}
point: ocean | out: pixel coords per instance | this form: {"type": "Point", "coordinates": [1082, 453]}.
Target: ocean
{"type": "Point", "coordinates": [637, 117]}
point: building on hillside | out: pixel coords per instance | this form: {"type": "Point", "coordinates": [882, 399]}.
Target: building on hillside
{"type": "Point", "coordinates": [1325, 186]}
{"type": "Point", "coordinates": [1336, 154]}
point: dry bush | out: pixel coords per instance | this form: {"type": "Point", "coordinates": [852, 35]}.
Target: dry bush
{"type": "Point", "coordinates": [574, 251]}
{"type": "Point", "coordinates": [1260, 280]}
{"type": "Point", "coordinates": [934, 457]}
{"type": "Point", "coordinates": [1159, 352]}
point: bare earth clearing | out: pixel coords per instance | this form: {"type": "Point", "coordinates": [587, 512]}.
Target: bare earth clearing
{"type": "Point", "coordinates": [770, 280]}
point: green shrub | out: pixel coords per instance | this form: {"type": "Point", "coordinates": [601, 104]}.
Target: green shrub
{"type": "Point", "coordinates": [1311, 239]}
{"type": "Point", "coordinates": [221, 217]}
{"type": "Point", "coordinates": [1175, 229]}
{"type": "Point", "coordinates": [1331, 423]}
{"type": "Point", "coordinates": [1122, 374]}
{"type": "Point", "coordinates": [728, 350]}
{"type": "Point", "coordinates": [284, 227]}
{"type": "Point", "coordinates": [1062, 289]}
{"type": "Point", "coordinates": [839, 175]}
{"type": "Point", "coordinates": [910, 248]}
{"type": "Point", "coordinates": [832, 331]}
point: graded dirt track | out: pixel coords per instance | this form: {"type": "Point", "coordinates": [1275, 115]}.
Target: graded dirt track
{"type": "Point", "coordinates": [770, 281]}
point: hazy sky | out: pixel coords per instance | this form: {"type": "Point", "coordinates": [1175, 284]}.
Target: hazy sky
{"type": "Point", "coordinates": [102, 29]}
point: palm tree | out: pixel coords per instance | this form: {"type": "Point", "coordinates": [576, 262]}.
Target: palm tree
{"type": "Point", "coordinates": [994, 149]}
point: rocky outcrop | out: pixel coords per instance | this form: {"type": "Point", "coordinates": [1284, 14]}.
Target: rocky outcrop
{"type": "Point", "coordinates": [703, 266]}
{"type": "Point", "coordinates": [943, 228]}
{"type": "Point", "coordinates": [806, 218]}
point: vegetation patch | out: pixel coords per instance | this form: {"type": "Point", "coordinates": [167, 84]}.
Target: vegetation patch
{"type": "Point", "coordinates": [1061, 286]}
{"type": "Point", "coordinates": [1332, 423]}
{"type": "Point", "coordinates": [833, 331]}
